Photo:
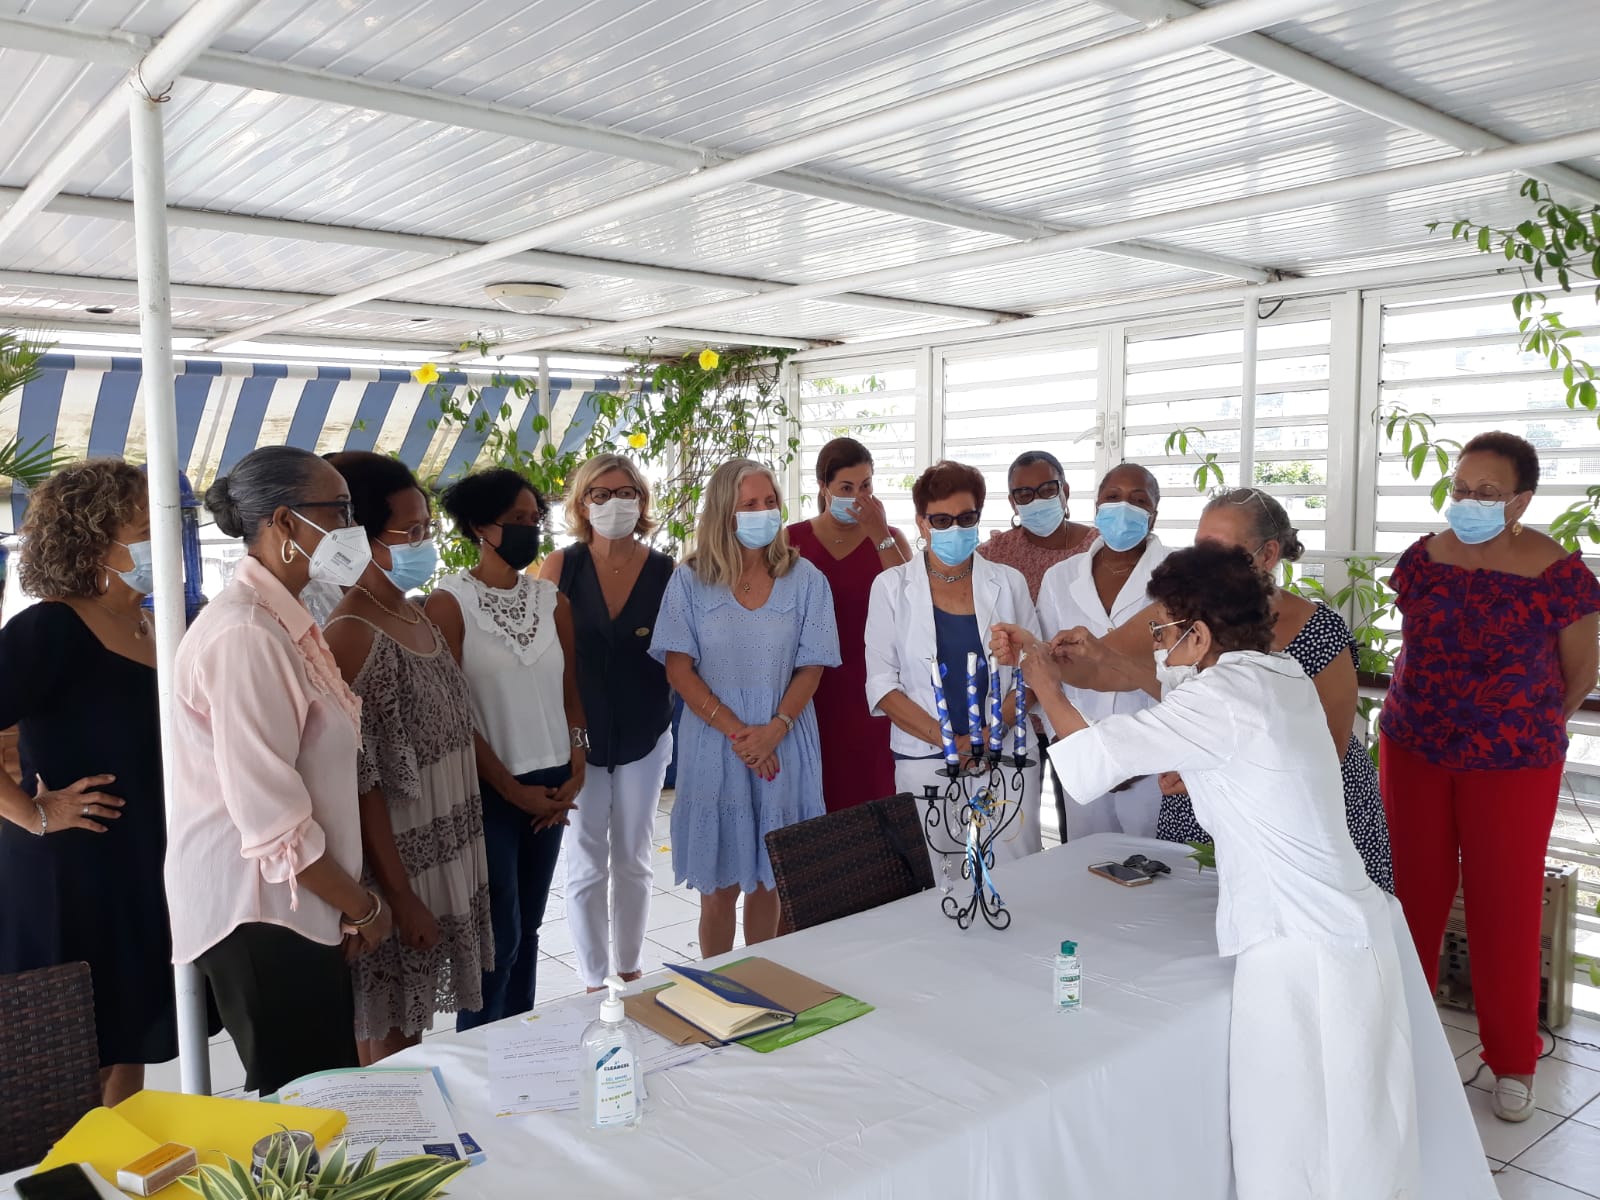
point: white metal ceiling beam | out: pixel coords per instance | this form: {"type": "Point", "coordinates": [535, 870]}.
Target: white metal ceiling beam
{"type": "Point", "coordinates": [102, 208]}
{"type": "Point", "coordinates": [1019, 83]}
{"type": "Point", "coordinates": [484, 318]}
{"type": "Point", "coordinates": [1262, 50]}
{"type": "Point", "coordinates": [1455, 169]}
{"type": "Point", "coordinates": [240, 70]}
{"type": "Point", "coordinates": [152, 73]}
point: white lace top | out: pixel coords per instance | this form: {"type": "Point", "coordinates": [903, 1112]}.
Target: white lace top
{"type": "Point", "coordinates": [514, 666]}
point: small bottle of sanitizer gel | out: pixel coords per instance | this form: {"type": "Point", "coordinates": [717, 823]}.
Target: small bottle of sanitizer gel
{"type": "Point", "coordinates": [1069, 979]}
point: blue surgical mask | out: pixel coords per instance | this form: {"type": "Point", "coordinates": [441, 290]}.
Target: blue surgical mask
{"type": "Point", "coordinates": [840, 507]}
{"type": "Point", "coordinates": [756, 530]}
{"type": "Point", "coordinates": [1122, 525]}
{"type": "Point", "coordinates": [142, 578]}
{"type": "Point", "coordinates": [1476, 521]}
{"type": "Point", "coordinates": [1042, 517]}
{"type": "Point", "coordinates": [413, 565]}
{"type": "Point", "coordinates": [953, 546]}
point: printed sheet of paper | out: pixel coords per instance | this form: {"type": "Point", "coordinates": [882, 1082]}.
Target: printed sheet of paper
{"type": "Point", "coordinates": [533, 1062]}
{"type": "Point", "coordinates": [402, 1112]}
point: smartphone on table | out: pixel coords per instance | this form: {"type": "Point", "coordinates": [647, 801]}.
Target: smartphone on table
{"type": "Point", "coordinates": [1118, 873]}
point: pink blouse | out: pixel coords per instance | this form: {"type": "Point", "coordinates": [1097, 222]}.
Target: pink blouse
{"type": "Point", "coordinates": [1012, 547]}
{"type": "Point", "coordinates": [264, 771]}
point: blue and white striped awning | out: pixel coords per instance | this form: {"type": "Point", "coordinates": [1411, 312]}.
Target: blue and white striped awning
{"type": "Point", "coordinates": [90, 406]}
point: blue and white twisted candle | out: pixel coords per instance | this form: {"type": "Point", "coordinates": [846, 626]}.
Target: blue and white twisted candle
{"type": "Point", "coordinates": [1021, 693]}
{"type": "Point", "coordinates": [974, 704]}
{"type": "Point", "coordinates": [952, 756]}
{"type": "Point", "coordinates": [997, 725]}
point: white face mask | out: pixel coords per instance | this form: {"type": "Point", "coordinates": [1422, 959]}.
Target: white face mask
{"type": "Point", "coordinates": [1173, 675]}
{"type": "Point", "coordinates": [341, 556]}
{"type": "Point", "coordinates": [615, 519]}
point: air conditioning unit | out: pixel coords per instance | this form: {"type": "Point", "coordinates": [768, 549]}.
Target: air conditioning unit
{"type": "Point", "coordinates": [1555, 946]}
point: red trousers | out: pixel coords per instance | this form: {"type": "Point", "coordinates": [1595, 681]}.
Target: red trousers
{"type": "Point", "coordinates": [1488, 830]}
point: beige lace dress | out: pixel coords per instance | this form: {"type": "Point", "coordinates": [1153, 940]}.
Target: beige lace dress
{"type": "Point", "coordinates": [416, 746]}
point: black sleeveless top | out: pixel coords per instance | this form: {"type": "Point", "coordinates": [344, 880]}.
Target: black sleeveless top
{"type": "Point", "coordinates": [626, 699]}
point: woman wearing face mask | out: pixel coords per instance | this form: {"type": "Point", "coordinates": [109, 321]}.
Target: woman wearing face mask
{"type": "Point", "coordinates": [1097, 591]}
{"type": "Point", "coordinates": [937, 607]}
{"type": "Point", "coordinates": [850, 541]}
{"type": "Point", "coordinates": [614, 583]}
{"type": "Point", "coordinates": [1317, 638]}
{"type": "Point", "coordinates": [1498, 651]}
{"type": "Point", "coordinates": [513, 635]}
{"type": "Point", "coordinates": [1041, 533]}
{"type": "Point", "coordinates": [81, 843]}
{"type": "Point", "coordinates": [264, 841]}
{"type": "Point", "coordinates": [1321, 1082]}
{"type": "Point", "coordinates": [421, 819]}
{"type": "Point", "coordinates": [745, 631]}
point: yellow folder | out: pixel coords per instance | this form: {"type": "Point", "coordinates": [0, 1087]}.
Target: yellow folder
{"type": "Point", "coordinates": [110, 1138]}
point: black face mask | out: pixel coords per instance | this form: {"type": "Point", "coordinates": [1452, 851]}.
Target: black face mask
{"type": "Point", "coordinates": [519, 545]}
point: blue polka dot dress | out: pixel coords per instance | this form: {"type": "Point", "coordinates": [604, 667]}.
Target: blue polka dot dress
{"type": "Point", "coordinates": [1320, 643]}
{"type": "Point", "coordinates": [724, 810]}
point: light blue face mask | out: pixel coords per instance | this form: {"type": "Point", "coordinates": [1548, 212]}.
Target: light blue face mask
{"type": "Point", "coordinates": [953, 546]}
{"type": "Point", "coordinates": [1122, 525]}
{"type": "Point", "coordinates": [755, 530]}
{"type": "Point", "coordinates": [413, 565]}
{"type": "Point", "coordinates": [1477, 521]}
{"type": "Point", "coordinates": [840, 507]}
{"type": "Point", "coordinates": [1042, 517]}
{"type": "Point", "coordinates": [142, 578]}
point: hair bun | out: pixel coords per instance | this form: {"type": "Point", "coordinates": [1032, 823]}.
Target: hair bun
{"type": "Point", "coordinates": [219, 502]}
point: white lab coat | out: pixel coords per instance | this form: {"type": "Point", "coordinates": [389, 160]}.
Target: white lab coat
{"type": "Point", "coordinates": [900, 643]}
{"type": "Point", "coordinates": [1068, 599]}
{"type": "Point", "coordinates": [1322, 1088]}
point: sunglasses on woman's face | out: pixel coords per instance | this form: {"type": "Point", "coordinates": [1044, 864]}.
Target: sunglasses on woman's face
{"type": "Point", "coordinates": [944, 520]}
{"type": "Point", "coordinates": [1045, 491]}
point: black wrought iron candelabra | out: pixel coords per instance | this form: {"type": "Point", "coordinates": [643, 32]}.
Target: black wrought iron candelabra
{"type": "Point", "coordinates": [966, 819]}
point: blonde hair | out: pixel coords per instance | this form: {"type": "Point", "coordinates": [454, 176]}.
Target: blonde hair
{"type": "Point", "coordinates": [583, 479]}
{"type": "Point", "coordinates": [718, 556]}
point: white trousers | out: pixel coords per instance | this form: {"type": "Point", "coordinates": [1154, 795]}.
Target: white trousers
{"type": "Point", "coordinates": [1322, 1086]}
{"type": "Point", "coordinates": [1132, 811]}
{"type": "Point", "coordinates": [1019, 839]}
{"type": "Point", "coordinates": [611, 839]}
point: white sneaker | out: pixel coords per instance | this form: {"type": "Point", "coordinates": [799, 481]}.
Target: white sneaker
{"type": "Point", "coordinates": [1512, 1100]}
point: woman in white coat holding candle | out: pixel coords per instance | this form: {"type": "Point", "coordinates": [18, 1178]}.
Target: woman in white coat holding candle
{"type": "Point", "coordinates": [1322, 1088]}
{"type": "Point", "coordinates": [937, 609]}
{"type": "Point", "coordinates": [1097, 591]}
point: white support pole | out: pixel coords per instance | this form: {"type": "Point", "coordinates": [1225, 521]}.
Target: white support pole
{"type": "Point", "coordinates": [546, 408]}
{"type": "Point", "coordinates": [166, 518]}
{"type": "Point", "coordinates": [1247, 389]}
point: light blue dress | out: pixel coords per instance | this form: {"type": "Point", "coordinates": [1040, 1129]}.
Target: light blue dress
{"type": "Point", "coordinates": [724, 809]}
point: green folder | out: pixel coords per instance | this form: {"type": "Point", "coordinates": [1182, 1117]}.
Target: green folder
{"type": "Point", "coordinates": [807, 1023]}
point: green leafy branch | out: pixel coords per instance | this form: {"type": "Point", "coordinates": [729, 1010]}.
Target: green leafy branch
{"type": "Point", "coordinates": [1182, 443]}
{"type": "Point", "coordinates": [1418, 446]}
{"type": "Point", "coordinates": [20, 364]}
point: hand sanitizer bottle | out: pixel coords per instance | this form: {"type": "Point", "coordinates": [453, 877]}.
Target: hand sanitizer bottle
{"type": "Point", "coordinates": [609, 1069]}
{"type": "Point", "coordinates": [1069, 979]}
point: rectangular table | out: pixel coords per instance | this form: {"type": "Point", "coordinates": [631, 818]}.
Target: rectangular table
{"type": "Point", "coordinates": [965, 1082]}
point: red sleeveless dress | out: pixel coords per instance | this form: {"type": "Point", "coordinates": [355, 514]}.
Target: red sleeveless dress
{"type": "Point", "coordinates": [857, 765]}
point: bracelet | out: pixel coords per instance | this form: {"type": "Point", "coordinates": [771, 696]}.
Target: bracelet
{"type": "Point", "coordinates": [377, 907]}
{"type": "Point", "coordinates": [580, 738]}
{"type": "Point", "coordinates": [885, 544]}
{"type": "Point", "coordinates": [44, 819]}
{"type": "Point", "coordinates": [714, 713]}
{"type": "Point", "coordinates": [788, 722]}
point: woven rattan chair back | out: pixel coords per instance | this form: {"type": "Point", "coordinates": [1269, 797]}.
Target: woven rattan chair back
{"type": "Point", "coordinates": [49, 1060]}
{"type": "Point", "coordinates": [849, 861]}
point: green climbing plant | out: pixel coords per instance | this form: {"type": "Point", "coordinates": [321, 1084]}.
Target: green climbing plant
{"type": "Point", "coordinates": [1187, 443]}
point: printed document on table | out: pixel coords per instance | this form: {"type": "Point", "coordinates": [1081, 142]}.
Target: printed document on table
{"type": "Point", "coordinates": [402, 1112]}
{"type": "Point", "coordinates": [533, 1062]}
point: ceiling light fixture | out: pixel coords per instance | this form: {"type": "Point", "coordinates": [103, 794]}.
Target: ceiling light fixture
{"type": "Point", "coordinates": [525, 298]}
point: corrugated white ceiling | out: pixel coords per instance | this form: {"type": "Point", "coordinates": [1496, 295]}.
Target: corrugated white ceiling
{"type": "Point", "coordinates": [737, 75]}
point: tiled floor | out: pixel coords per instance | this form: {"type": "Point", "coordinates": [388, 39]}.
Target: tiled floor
{"type": "Point", "coordinates": [1553, 1156]}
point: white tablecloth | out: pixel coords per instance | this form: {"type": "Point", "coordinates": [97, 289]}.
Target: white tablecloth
{"type": "Point", "coordinates": [964, 1083]}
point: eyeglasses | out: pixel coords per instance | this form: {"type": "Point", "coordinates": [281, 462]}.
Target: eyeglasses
{"type": "Point", "coordinates": [944, 520]}
{"type": "Point", "coordinates": [1488, 494]}
{"type": "Point", "coordinates": [1048, 490]}
{"type": "Point", "coordinates": [1155, 630]}
{"type": "Point", "coordinates": [599, 495]}
{"type": "Point", "coordinates": [425, 531]}
{"type": "Point", "coordinates": [343, 509]}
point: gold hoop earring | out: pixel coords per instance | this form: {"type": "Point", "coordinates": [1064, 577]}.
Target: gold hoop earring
{"type": "Point", "coordinates": [102, 581]}
{"type": "Point", "coordinates": [1516, 529]}
{"type": "Point", "coordinates": [287, 552]}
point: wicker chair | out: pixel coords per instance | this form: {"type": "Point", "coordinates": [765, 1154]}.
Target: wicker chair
{"type": "Point", "coordinates": [49, 1060]}
{"type": "Point", "coordinates": [849, 861]}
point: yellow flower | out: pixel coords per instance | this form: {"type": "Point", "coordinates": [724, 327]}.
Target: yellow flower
{"type": "Point", "coordinates": [638, 441]}
{"type": "Point", "coordinates": [425, 374]}
{"type": "Point", "coordinates": [709, 360]}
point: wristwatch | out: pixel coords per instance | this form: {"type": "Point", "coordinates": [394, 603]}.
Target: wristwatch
{"type": "Point", "coordinates": [886, 543]}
